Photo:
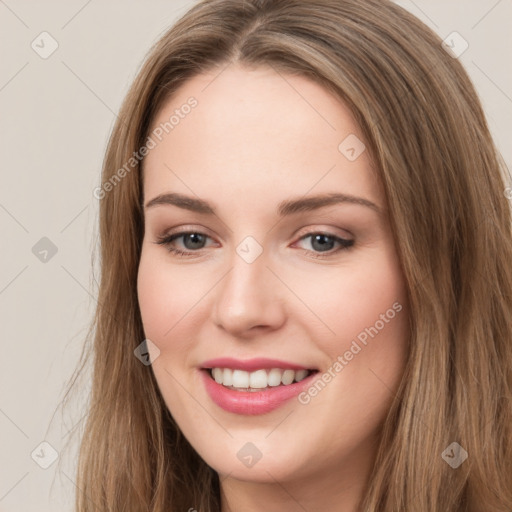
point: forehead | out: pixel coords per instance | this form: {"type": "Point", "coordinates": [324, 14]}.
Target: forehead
{"type": "Point", "coordinates": [257, 133]}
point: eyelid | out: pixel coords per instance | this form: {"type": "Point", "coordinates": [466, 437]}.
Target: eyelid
{"type": "Point", "coordinates": [344, 243]}
{"type": "Point", "coordinates": [328, 231]}
{"type": "Point", "coordinates": [183, 230]}
{"type": "Point", "coordinates": [170, 236]}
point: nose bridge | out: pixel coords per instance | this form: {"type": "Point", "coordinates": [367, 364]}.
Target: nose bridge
{"type": "Point", "coordinates": [249, 294]}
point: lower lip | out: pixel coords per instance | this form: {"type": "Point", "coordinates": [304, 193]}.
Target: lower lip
{"type": "Point", "coordinates": [252, 402]}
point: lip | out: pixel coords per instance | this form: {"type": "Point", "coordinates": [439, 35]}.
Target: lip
{"type": "Point", "coordinates": [251, 365]}
{"type": "Point", "coordinates": [252, 402]}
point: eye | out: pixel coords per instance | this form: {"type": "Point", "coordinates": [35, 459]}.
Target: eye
{"type": "Point", "coordinates": [324, 242]}
{"type": "Point", "coordinates": [194, 241]}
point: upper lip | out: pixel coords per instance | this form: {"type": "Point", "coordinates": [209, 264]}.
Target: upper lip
{"type": "Point", "coordinates": [250, 365]}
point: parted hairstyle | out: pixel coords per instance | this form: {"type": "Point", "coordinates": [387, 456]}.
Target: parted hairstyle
{"type": "Point", "coordinates": [444, 183]}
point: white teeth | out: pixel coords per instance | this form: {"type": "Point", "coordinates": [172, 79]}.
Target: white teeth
{"type": "Point", "coordinates": [288, 376]}
{"type": "Point", "coordinates": [300, 375]}
{"type": "Point", "coordinates": [274, 377]}
{"type": "Point", "coordinates": [227, 378]}
{"type": "Point", "coordinates": [240, 379]}
{"type": "Point", "coordinates": [259, 379]}
{"type": "Point", "coordinates": [217, 375]}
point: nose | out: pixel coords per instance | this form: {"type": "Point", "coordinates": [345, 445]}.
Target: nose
{"type": "Point", "coordinates": [250, 299]}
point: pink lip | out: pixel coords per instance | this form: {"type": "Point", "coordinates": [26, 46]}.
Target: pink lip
{"type": "Point", "coordinates": [252, 402]}
{"type": "Point", "coordinates": [251, 365]}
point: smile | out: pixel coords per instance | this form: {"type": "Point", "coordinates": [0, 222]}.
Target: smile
{"type": "Point", "coordinates": [256, 386]}
{"type": "Point", "coordinates": [241, 380]}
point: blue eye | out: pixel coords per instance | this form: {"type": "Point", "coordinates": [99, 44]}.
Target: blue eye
{"type": "Point", "coordinates": [194, 241]}
{"type": "Point", "coordinates": [324, 242]}
{"type": "Point", "coordinates": [195, 238]}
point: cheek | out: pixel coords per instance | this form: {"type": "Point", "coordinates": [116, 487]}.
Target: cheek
{"type": "Point", "coordinates": [173, 302]}
{"type": "Point", "coordinates": [165, 301]}
{"type": "Point", "coordinates": [367, 310]}
{"type": "Point", "coordinates": [155, 299]}
{"type": "Point", "coordinates": [164, 297]}
{"type": "Point", "coordinates": [358, 297]}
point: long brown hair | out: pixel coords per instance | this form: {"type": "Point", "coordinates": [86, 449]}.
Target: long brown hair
{"type": "Point", "coordinates": [442, 175]}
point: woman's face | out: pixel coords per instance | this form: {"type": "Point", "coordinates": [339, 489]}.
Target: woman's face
{"type": "Point", "coordinates": [275, 277]}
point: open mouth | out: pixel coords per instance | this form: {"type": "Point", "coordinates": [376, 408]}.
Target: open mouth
{"type": "Point", "coordinates": [258, 380]}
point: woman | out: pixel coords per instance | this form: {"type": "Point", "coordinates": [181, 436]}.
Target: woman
{"type": "Point", "coordinates": [306, 292]}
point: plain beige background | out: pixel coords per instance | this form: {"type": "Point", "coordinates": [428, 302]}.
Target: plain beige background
{"type": "Point", "coordinates": [56, 115]}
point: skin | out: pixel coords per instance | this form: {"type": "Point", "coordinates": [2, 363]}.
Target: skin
{"type": "Point", "coordinates": [256, 138]}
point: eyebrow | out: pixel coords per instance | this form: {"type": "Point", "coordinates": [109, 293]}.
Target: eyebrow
{"type": "Point", "coordinates": [284, 208]}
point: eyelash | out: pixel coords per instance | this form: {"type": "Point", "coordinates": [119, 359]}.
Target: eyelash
{"type": "Point", "coordinates": [168, 239]}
